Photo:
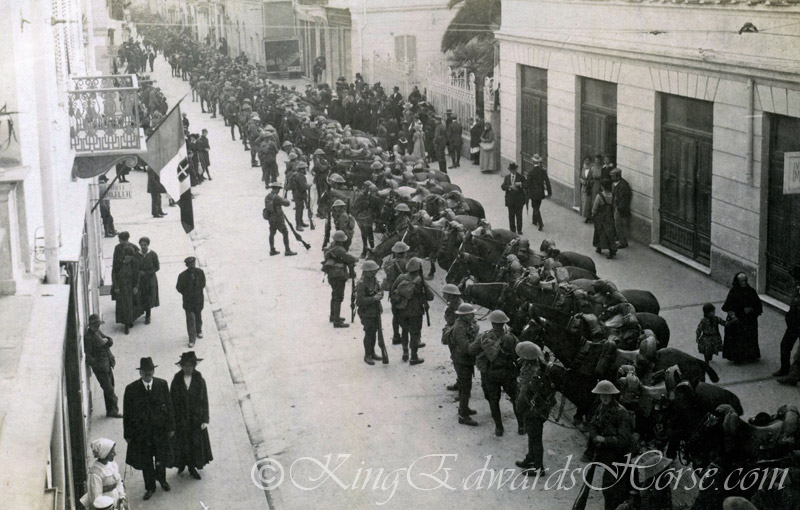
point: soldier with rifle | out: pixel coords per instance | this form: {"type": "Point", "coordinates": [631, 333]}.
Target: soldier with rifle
{"type": "Point", "coordinates": [339, 219]}
{"type": "Point", "coordinates": [535, 400]}
{"type": "Point", "coordinates": [410, 296]}
{"type": "Point", "coordinates": [300, 187]}
{"type": "Point", "coordinates": [368, 295]}
{"type": "Point", "coordinates": [453, 298]}
{"type": "Point", "coordinates": [273, 213]}
{"type": "Point", "coordinates": [339, 267]}
{"type": "Point", "coordinates": [495, 355]}
{"type": "Point", "coordinates": [459, 338]}
{"type": "Point", "coordinates": [393, 269]}
{"type": "Point", "coordinates": [320, 171]}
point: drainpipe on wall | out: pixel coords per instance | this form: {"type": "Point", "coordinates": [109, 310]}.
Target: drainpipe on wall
{"type": "Point", "coordinates": [750, 130]}
{"type": "Point", "coordinates": [361, 28]}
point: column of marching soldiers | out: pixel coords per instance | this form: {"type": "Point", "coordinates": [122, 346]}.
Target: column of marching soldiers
{"type": "Point", "coordinates": [359, 137]}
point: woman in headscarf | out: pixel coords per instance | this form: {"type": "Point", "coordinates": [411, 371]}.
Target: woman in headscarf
{"type": "Point", "coordinates": [126, 287]}
{"type": "Point", "coordinates": [148, 281]}
{"type": "Point", "coordinates": [488, 163]}
{"type": "Point", "coordinates": [741, 336]}
{"type": "Point", "coordinates": [103, 478]}
{"type": "Point", "coordinates": [190, 402]}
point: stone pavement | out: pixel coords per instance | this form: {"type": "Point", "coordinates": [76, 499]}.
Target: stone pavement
{"type": "Point", "coordinates": [226, 482]}
{"type": "Point", "coordinates": [308, 396]}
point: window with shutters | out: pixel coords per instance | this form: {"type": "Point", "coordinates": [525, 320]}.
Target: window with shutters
{"type": "Point", "coordinates": [405, 48]}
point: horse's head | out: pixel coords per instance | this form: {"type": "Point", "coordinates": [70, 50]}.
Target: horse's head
{"type": "Point", "coordinates": [459, 270]}
{"type": "Point", "coordinates": [534, 331]}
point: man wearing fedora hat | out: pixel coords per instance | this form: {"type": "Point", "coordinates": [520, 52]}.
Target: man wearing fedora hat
{"type": "Point", "coordinates": [148, 426]}
{"type": "Point", "coordinates": [537, 188]}
{"type": "Point", "coordinates": [514, 186]}
{"type": "Point", "coordinates": [191, 283]}
{"type": "Point", "coordinates": [97, 347]}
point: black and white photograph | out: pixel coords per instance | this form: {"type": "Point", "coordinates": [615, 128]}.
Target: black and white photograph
{"type": "Point", "coordinates": [381, 254]}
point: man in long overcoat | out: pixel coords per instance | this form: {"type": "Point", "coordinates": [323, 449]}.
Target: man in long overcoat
{"type": "Point", "coordinates": [455, 141]}
{"type": "Point", "coordinates": [148, 426]}
{"type": "Point", "coordinates": [537, 188]}
{"type": "Point", "coordinates": [514, 186]}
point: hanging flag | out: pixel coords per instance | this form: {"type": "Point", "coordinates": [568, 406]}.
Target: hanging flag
{"type": "Point", "coordinates": [166, 155]}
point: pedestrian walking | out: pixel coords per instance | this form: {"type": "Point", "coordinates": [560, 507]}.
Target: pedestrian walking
{"type": "Point", "coordinates": [610, 441]}
{"type": "Point", "coordinates": [273, 213]}
{"type": "Point", "coordinates": [535, 400]}
{"type": "Point", "coordinates": [495, 352]}
{"type": "Point", "coordinates": [410, 295]}
{"type": "Point", "coordinates": [792, 333]}
{"type": "Point", "coordinates": [151, 56]}
{"type": "Point", "coordinates": [622, 197]}
{"type": "Point", "coordinates": [514, 186]}
{"type": "Point", "coordinates": [741, 337]}
{"type": "Point", "coordinates": [191, 283]}
{"type": "Point", "coordinates": [537, 188]}
{"type": "Point", "coordinates": [455, 141]}
{"type": "Point", "coordinates": [202, 154]}
{"type": "Point", "coordinates": [155, 189]}
{"type": "Point", "coordinates": [190, 405]}
{"type": "Point", "coordinates": [148, 280]}
{"type": "Point", "coordinates": [126, 288]}
{"type": "Point", "coordinates": [463, 333]}
{"type": "Point", "coordinates": [605, 237]}
{"type": "Point", "coordinates": [339, 267]}
{"type": "Point", "coordinates": [97, 347]}
{"type": "Point", "coordinates": [104, 487]}
{"type": "Point", "coordinates": [368, 299]}
{"type": "Point", "coordinates": [452, 297]}
{"type": "Point", "coordinates": [487, 160]}
{"type": "Point", "coordinates": [709, 341]}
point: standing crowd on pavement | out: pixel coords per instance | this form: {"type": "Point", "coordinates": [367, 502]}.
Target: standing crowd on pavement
{"type": "Point", "coordinates": [328, 137]}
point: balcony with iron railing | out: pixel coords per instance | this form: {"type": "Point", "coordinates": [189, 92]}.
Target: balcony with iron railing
{"type": "Point", "coordinates": [104, 116]}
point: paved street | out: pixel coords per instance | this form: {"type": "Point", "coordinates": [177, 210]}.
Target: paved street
{"type": "Point", "coordinates": [307, 393]}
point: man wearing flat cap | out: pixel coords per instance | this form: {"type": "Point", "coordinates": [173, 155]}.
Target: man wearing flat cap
{"type": "Point", "coordinates": [191, 283]}
{"type": "Point", "coordinates": [148, 426]}
{"type": "Point", "coordinates": [97, 347]}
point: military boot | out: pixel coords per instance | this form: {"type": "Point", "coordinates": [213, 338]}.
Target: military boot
{"type": "Point", "coordinates": [415, 360]}
{"type": "Point", "coordinates": [494, 406]}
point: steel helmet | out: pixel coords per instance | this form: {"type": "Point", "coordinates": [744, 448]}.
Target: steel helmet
{"type": "Point", "coordinates": [449, 288]}
{"type": "Point", "coordinates": [401, 207]}
{"type": "Point", "coordinates": [370, 265]}
{"type": "Point", "coordinates": [336, 178]}
{"type": "Point", "coordinates": [465, 309]}
{"type": "Point", "coordinates": [339, 236]}
{"type": "Point", "coordinates": [338, 203]}
{"type": "Point", "coordinates": [376, 165]}
{"type": "Point", "coordinates": [605, 387]}
{"type": "Point", "coordinates": [275, 185]}
{"type": "Point", "coordinates": [400, 247]}
{"type": "Point", "coordinates": [413, 265]}
{"type": "Point", "coordinates": [319, 152]}
{"type": "Point", "coordinates": [528, 350]}
{"type": "Point", "coordinates": [498, 317]}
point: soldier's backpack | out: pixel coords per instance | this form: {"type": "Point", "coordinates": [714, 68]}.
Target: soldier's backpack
{"type": "Point", "coordinates": [402, 291]}
{"type": "Point", "coordinates": [269, 208]}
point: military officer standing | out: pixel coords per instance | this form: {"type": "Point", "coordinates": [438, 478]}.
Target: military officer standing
{"type": "Point", "coordinates": [273, 213]}
{"type": "Point", "coordinates": [535, 399]}
{"type": "Point", "coordinates": [393, 269]}
{"type": "Point", "coordinates": [461, 336]}
{"type": "Point", "coordinates": [339, 266]}
{"type": "Point", "coordinates": [368, 299]}
{"type": "Point", "coordinates": [340, 221]}
{"type": "Point", "coordinates": [410, 295]}
{"type": "Point", "coordinates": [495, 352]}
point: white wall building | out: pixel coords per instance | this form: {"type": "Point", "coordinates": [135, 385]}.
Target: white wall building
{"type": "Point", "coordinates": [697, 114]}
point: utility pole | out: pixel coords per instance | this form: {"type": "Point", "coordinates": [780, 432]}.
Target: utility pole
{"type": "Point", "coordinates": [46, 87]}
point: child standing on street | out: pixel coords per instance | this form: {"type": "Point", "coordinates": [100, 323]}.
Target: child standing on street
{"type": "Point", "coordinates": [709, 341]}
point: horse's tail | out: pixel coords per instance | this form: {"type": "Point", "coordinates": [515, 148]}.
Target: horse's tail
{"type": "Point", "coordinates": [712, 374]}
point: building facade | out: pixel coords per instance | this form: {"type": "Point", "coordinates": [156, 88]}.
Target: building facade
{"type": "Point", "coordinates": [696, 102]}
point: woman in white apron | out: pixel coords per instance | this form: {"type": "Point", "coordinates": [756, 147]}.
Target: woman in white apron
{"type": "Point", "coordinates": [103, 478]}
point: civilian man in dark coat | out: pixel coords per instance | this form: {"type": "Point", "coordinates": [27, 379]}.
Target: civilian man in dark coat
{"type": "Point", "coordinates": [190, 284]}
{"type": "Point", "coordinates": [97, 347]}
{"type": "Point", "coordinates": [454, 142]}
{"type": "Point", "coordinates": [514, 186]}
{"type": "Point", "coordinates": [202, 153]}
{"type": "Point", "coordinates": [190, 403]}
{"type": "Point", "coordinates": [537, 188]}
{"type": "Point", "coordinates": [440, 143]}
{"type": "Point", "coordinates": [148, 426]}
{"type": "Point", "coordinates": [155, 189]}
{"type": "Point", "coordinates": [116, 261]}
{"type": "Point", "coordinates": [621, 197]}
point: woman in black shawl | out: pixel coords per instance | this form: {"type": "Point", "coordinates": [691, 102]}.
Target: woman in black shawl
{"type": "Point", "coordinates": [741, 336]}
{"type": "Point", "coordinates": [126, 286]}
{"type": "Point", "coordinates": [190, 403]}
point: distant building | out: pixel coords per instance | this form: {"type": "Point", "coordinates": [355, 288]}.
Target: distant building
{"type": "Point", "coordinates": [695, 105]}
